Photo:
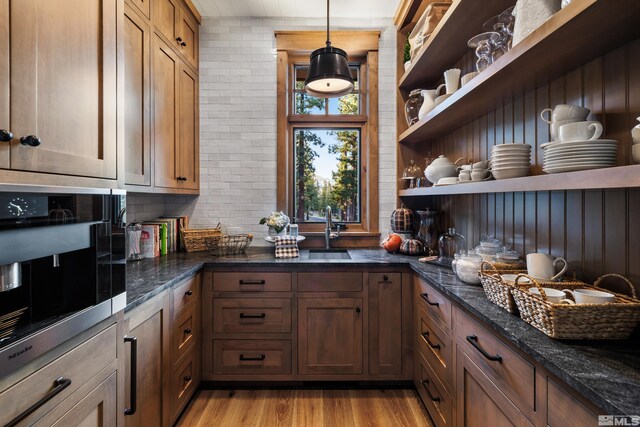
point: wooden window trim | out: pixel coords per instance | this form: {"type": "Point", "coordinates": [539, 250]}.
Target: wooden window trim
{"type": "Point", "coordinates": [361, 45]}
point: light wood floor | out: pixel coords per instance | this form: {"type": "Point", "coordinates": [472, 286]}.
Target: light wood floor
{"type": "Point", "coordinates": [305, 408]}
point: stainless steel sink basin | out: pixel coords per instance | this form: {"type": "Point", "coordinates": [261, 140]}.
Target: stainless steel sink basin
{"type": "Point", "coordinates": [329, 254]}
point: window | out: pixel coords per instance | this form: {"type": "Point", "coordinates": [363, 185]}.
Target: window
{"type": "Point", "coordinates": [327, 148]}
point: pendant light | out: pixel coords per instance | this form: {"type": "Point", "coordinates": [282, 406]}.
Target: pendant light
{"type": "Point", "coordinates": [329, 75]}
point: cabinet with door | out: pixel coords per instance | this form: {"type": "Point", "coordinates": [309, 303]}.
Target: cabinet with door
{"type": "Point", "coordinates": [58, 117]}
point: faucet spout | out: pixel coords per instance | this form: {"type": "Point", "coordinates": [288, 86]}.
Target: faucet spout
{"type": "Point", "coordinates": [328, 235]}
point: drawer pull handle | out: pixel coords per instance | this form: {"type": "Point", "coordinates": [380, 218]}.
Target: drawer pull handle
{"type": "Point", "coordinates": [253, 282]}
{"type": "Point", "coordinates": [474, 342]}
{"type": "Point", "coordinates": [385, 277]}
{"type": "Point", "coordinates": [189, 293]}
{"type": "Point", "coordinates": [425, 297]}
{"type": "Point", "coordinates": [187, 378]}
{"type": "Point", "coordinates": [253, 316]}
{"type": "Point", "coordinates": [187, 331]}
{"type": "Point", "coordinates": [425, 384]}
{"type": "Point", "coordinates": [58, 385]}
{"type": "Point", "coordinates": [425, 335]}
{"type": "Point", "coordinates": [243, 358]}
{"type": "Point", "coordinates": [357, 309]}
{"type": "Point", "coordinates": [134, 374]}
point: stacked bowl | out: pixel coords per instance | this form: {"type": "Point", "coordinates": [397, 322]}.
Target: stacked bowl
{"type": "Point", "coordinates": [510, 160]}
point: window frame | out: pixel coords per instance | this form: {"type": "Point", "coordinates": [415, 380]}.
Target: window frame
{"type": "Point", "coordinates": [293, 50]}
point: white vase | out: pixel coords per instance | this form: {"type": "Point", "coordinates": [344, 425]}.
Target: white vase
{"type": "Point", "coordinates": [273, 233]}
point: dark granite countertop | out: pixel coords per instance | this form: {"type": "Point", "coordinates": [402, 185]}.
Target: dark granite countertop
{"type": "Point", "coordinates": [607, 373]}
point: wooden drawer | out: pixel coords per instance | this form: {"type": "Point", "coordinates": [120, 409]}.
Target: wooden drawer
{"type": "Point", "coordinates": [513, 374]}
{"type": "Point", "coordinates": [435, 397]}
{"type": "Point", "coordinates": [186, 330]}
{"type": "Point", "coordinates": [564, 410]}
{"type": "Point", "coordinates": [186, 293]}
{"type": "Point", "coordinates": [184, 381]}
{"type": "Point", "coordinates": [251, 315]}
{"type": "Point", "coordinates": [321, 281]}
{"type": "Point", "coordinates": [433, 302]}
{"type": "Point", "coordinates": [252, 357]}
{"type": "Point", "coordinates": [252, 282]}
{"type": "Point", "coordinates": [436, 348]}
{"type": "Point", "coordinates": [78, 365]}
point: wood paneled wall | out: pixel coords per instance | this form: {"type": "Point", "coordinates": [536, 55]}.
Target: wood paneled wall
{"type": "Point", "coordinates": [597, 231]}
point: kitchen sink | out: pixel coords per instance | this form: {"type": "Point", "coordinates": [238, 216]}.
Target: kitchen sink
{"type": "Point", "coordinates": [328, 254]}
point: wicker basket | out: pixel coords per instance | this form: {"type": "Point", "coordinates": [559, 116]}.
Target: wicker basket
{"type": "Point", "coordinates": [498, 291]}
{"type": "Point", "coordinates": [194, 239]}
{"type": "Point", "coordinates": [234, 244]}
{"type": "Point", "coordinates": [609, 321]}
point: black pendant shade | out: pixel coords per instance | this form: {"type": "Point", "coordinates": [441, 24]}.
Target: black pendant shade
{"type": "Point", "coordinates": [329, 75]}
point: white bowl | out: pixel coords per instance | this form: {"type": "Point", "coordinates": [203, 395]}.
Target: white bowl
{"type": "Point", "coordinates": [510, 173]}
{"type": "Point", "coordinates": [447, 180]}
{"type": "Point", "coordinates": [502, 147]}
{"type": "Point", "coordinates": [501, 165]}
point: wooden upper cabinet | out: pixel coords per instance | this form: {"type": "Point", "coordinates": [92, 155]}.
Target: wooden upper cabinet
{"type": "Point", "coordinates": [188, 124]}
{"type": "Point", "coordinates": [166, 18]}
{"type": "Point", "coordinates": [166, 69]}
{"type": "Point", "coordinates": [137, 106]}
{"type": "Point", "coordinates": [144, 6]}
{"type": "Point", "coordinates": [4, 82]}
{"type": "Point", "coordinates": [188, 31]}
{"type": "Point", "coordinates": [63, 86]}
{"type": "Point", "coordinates": [385, 323]}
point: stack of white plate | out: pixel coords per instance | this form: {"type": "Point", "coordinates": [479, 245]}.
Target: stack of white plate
{"type": "Point", "coordinates": [579, 155]}
{"type": "Point", "coordinates": [510, 160]}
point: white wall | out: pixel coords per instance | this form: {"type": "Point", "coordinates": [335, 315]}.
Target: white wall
{"type": "Point", "coordinates": [238, 124]}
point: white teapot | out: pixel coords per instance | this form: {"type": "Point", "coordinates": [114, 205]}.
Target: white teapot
{"type": "Point", "coordinates": [429, 100]}
{"type": "Point", "coordinates": [441, 167]}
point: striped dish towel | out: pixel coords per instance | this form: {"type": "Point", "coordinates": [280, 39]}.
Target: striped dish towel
{"type": "Point", "coordinates": [286, 247]}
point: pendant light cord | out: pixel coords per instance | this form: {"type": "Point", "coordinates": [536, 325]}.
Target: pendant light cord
{"type": "Point", "coordinates": [328, 39]}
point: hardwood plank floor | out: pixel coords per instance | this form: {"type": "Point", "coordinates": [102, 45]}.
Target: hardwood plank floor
{"type": "Point", "coordinates": [305, 408]}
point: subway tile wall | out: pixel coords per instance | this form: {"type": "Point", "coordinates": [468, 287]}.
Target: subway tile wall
{"type": "Point", "coordinates": [238, 125]}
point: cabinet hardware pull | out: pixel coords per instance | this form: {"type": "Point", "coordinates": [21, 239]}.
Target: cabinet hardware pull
{"type": "Point", "coordinates": [357, 309]}
{"type": "Point", "coordinates": [181, 178]}
{"type": "Point", "coordinates": [385, 277]}
{"type": "Point", "coordinates": [425, 297]}
{"type": "Point", "coordinates": [5, 135]}
{"type": "Point", "coordinates": [187, 331]}
{"type": "Point", "coordinates": [187, 378]}
{"type": "Point", "coordinates": [179, 39]}
{"type": "Point", "coordinates": [425, 384]}
{"type": "Point", "coordinates": [252, 282]}
{"type": "Point", "coordinates": [183, 44]}
{"type": "Point", "coordinates": [244, 358]}
{"type": "Point", "coordinates": [473, 339]}
{"type": "Point", "coordinates": [425, 335]}
{"type": "Point", "coordinates": [134, 374]}
{"type": "Point", "coordinates": [253, 316]}
{"type": "Point", "coordinates": [189, 293]}
{"type": "Point", "coordinates": [30, 141]}
{"type": "Point", "coordinates": [58, 385]}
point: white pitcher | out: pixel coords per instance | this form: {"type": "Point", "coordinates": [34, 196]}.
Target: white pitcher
{"type": "Point", "coordinates": [429, 100]}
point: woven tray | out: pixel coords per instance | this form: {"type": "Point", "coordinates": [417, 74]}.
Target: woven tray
{"type": "Point", "coordinates": [579, 321]}
{"type": "Point", "coordinates": [194, 239]}
{"type": "Point", "coordinates": [498, 291]}
{"type": "Point", "coordinates": [231, 244]}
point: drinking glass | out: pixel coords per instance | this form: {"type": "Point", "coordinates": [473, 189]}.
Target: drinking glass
{"type": "Point", "coordinates": [484, 44]}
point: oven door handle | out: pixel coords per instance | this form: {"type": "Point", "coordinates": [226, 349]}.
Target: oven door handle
{"type": "Point", "coordinates": [58, 385]}
{"type": "Point", "coordinates": [134, 374]}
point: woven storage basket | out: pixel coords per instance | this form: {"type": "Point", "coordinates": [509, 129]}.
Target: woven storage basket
{"type": "Point", "coordinates": [234, 244]}
{"type": "Point", "coordinates": [498, 291]}
{"type": "Point", "coordinates": [194, 239]}
{"type": "Point", "coordinates": [609, 321]}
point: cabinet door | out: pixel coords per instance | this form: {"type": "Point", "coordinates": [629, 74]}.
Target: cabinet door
{"type": "Point", "coordinates": [4, 82]}
{"type": "Point", "coordinates": [188, 154]}
{"type": "Point", "coordinates": [63, 86]}
{"type": "Point", "coordinates": [149, 323]}
{"type": "Point", "coordinates": [479, 401]}
{"type": "Point", "coordinates": [330, 336]}
{"type": "Point", "coordinates": [98, 408]}
{"type": "Point", "coordinates": [385, 323]}
{"type": "Point", "coordinates": [166, 17]}
{"type": "Point", "coordinates": [143, 6]}
{"type": "Point", "coordinates": [137, 100]}
{"type": "Point", "coordinates": [166, 72]}
{"type": "Point", "coordinates": [188, 32]}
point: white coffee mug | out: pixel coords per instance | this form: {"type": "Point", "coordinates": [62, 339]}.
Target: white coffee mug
{"type": "Point", "coordinates": [543, 266]}
{"type": "Point", "coordinates": [464, 175]}
{"type": "Point", "coordinates": [468, 77]}
{"type": "Point", "coordinates": [580, 131]}
{"type": "Point", "coordinates": [452, 80]}
{"type": "Point", "coordinates": [553, 295]}
{"type": "Point", "coordinates": [565, 112]}
{"type": "Point", "coordinates": [591, 296]}
{"type": "Point", "coordinates": [479, 174]}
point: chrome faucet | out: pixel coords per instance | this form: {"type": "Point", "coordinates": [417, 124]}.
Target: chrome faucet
{"type": "Point", "coordinates": [328, 235]}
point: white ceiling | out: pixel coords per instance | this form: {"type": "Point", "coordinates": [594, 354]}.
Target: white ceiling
{"type": "Point", "coordinates": [296, 8]}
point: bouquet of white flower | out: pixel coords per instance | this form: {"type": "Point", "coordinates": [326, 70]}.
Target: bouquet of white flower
{"type": "Point", "coordinates": [277, 220]}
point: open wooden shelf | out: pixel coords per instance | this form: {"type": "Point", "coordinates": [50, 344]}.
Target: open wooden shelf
{"type": "Point", "coordinates": [448, 42]}
{"type": "Point", "coordinates": [616, 177]}
{"type": "Point", "coordinates": [572, 37]}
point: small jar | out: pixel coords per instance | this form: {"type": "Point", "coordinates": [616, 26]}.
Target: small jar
{"type": "Point", "coordinates": [487, 253]}
{"type": "Point", "coordinates": [449, 244]}
{"type": "Point", "coordinates": [467, 267]}
{"type": "Point", "coordinates": [510, 259]}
